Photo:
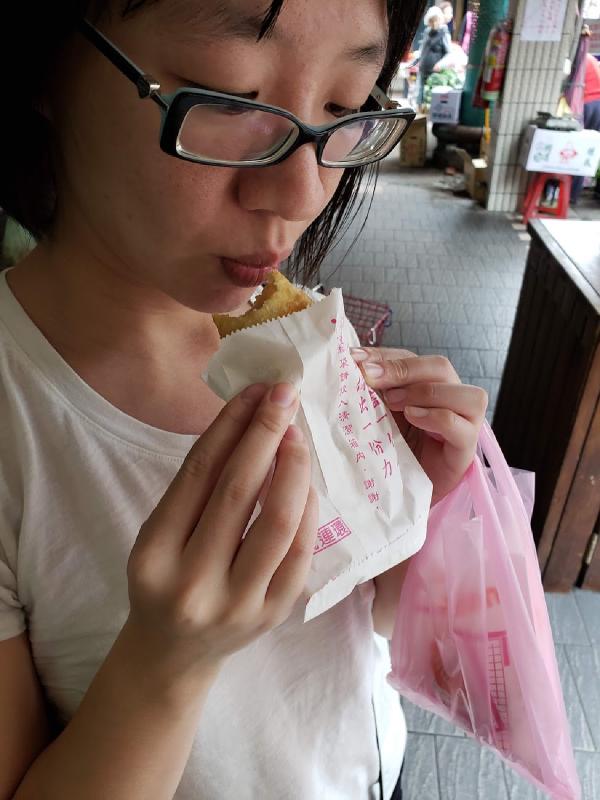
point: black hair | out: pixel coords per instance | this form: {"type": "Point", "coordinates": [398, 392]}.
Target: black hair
{"type": "Point", "coordinates": [27, 176]}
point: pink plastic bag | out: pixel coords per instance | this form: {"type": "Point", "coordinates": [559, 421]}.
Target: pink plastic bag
{"type": "Point", "coordinates": [472, 640]}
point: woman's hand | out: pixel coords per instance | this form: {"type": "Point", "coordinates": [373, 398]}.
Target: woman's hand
{"type": "Point", "coordinates": [198, 591]}
{"type": "Point", "coordinates": [438, 416]}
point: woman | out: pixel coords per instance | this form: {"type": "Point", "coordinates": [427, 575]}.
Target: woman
{"type": "Point", "coordinates": [146, 653]}
{"type": "Point", "coordinates": [591, 112]}
{"type": "Point", "coordinates": [434, 46]}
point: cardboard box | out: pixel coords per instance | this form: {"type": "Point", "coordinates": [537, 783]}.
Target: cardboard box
{"type": "Point", "coordinates": [445, 105]}
{"type": "Point", "coordinates": [476, 179]}
{"type": "Point", "coordinates": [476, 176]}
{"type": "Point", "coordinates": [565, 152]}
{"type": "Point", "coordinates": [413, 146]}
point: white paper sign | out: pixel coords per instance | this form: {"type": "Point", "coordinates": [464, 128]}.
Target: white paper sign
{"type": "Point", "coordinates": [591, 9]}
{"type": "Point", "coordinates": [374, 497]}
{"type": "Point", "coordinates": [543, 20]}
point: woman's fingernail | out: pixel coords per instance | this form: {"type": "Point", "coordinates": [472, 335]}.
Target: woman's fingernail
{"type": "Point", "coordinates": [254, 392]}
{"type": "Point", "coordinates": [395, 395]}
{"type": "Point", "coordinates": [358, 354]}
{"type": "Point", "coordinates": [283, 394]}
{"type": "Point", "coordinates": [415, 411]}
{"type": "Point", "coordinates": [374, 370]}
{"type": "Point", "coordinates": [294, 434]}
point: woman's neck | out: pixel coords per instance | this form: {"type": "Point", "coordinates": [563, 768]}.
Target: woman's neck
{"type": "Point", "coordinates": [98, 312]}
{"type": "Point", "coordinates": [145, 357]}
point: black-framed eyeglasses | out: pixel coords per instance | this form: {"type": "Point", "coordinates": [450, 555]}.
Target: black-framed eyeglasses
{"type": "Point", "coordinates": [223, 130]}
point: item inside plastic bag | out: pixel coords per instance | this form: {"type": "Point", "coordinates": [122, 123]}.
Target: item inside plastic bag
{"type": "Point", "coordinates": [472, 641]}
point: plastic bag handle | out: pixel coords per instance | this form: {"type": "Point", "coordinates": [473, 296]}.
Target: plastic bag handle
{"type": "Point", "coordinates": [493, 453]}
{"type": "Point", "coordinates": [503, 477]}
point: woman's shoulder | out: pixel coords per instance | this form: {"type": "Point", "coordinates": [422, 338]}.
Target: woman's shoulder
{"type": "Point", "coordinates": [30, 369]}
{"type": "Point", "coordinates": [17, 369]}
{"type": "Point", "coordinates": [14, 390]}
{"type": "Point", "coordinates": [26, 407]}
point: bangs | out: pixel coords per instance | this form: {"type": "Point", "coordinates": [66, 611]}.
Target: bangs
{"type": "Point", "coordinates": [271, 18]}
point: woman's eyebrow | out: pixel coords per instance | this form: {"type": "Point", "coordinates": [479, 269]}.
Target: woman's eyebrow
{"type": "Point", "coordinates": [225, 21]}
{"type": "Point", "coordinates": [369, 54]}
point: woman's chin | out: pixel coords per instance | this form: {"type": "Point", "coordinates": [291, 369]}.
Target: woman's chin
{"type": "Point", "coordinates": [209, 291]}
{"type": "Point", "coordinates": [229, 301]}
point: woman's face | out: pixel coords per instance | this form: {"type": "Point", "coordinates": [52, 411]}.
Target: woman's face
{"type": "Point", "coordinates": [164, 223]}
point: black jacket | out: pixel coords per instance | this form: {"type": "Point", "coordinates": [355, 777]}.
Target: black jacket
{"type": "Point", "coordinates": [434, 46]}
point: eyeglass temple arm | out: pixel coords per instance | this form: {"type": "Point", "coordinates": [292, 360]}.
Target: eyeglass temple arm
{"type": "Point", "coordinates": [384, 101]}
{"type": "Point", "coordinates": [147, 86]}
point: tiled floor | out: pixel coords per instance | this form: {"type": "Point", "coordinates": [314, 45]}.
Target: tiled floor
{"type": "Point", "coordinates": [452, 273]}
{"type": "Point", "coordinates": [450, 270]}
{"type": "Point", "coordinates": [442, 764]}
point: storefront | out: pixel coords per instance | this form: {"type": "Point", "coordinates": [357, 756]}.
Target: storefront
{"type": "Point", "coordinates": [506, 62]}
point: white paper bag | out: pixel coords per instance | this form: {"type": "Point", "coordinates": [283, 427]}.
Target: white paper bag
{"type": "Point", "coordinates": [374, 497]}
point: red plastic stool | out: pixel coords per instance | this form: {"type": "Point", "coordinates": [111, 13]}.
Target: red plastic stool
{"type": "Point", "coordinates": [532, 207]}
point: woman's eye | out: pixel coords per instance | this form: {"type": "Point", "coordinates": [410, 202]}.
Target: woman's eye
{"type": "Point", "coordinates": [188, 84]}
{"type": "Point", "coordinates": [341, 111]}
{"type": "Point", "coordinates": [232, 111]}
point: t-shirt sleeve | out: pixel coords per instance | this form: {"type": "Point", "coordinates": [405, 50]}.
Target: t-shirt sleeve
{"type": "Point", "coordinates": [13, 618]}
{"type": "Point", "coordinates": [12, 614]}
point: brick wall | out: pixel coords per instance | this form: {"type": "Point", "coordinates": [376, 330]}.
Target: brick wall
{"type": "Point", "coordinates": [534, 78]}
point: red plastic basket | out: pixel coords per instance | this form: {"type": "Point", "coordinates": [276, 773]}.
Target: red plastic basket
{"type": "Point", "coordinates": [369, 318]}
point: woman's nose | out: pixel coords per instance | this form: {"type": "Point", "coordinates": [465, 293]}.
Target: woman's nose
{"type": "Point", "coordinates": [297, 189]}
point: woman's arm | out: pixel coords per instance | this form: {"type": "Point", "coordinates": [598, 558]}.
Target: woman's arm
{"type": "Point", "coordinates": [24, 722]}
{"type": "Point", "coordinates": [131, 736]}
{"type": "Point", "coordinates": [440, 418]}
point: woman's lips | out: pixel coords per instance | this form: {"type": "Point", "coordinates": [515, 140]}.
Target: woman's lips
{"type": "Point", "coordinates": [246, 275]}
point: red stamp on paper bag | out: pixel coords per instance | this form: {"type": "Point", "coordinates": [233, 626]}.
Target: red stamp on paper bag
{"type": "Point", "coordinates": [330, 534]}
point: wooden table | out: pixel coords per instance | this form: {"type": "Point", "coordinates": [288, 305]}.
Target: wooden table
{"type": "Point", "coordinates": [548, 412]}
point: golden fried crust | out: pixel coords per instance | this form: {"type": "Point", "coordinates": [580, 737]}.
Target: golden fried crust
{"type": "Point", "coordinates": [278, 299]}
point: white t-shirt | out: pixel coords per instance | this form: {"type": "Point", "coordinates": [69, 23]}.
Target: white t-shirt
{"type": "Point", "coordinates": [296, 715]}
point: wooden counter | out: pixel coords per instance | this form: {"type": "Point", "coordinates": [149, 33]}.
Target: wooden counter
{"type": "Point", "coordinates": [548, 414]}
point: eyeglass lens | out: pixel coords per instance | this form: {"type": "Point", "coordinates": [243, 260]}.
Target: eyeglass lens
{"type": "Point", "coordinates": [230, 133]}
{"type": "Point", "coordinates": [361, 140]}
